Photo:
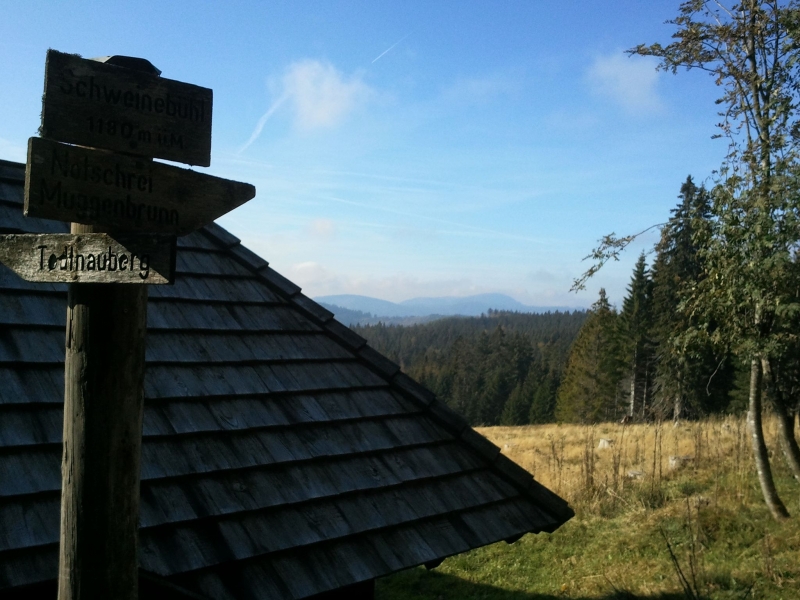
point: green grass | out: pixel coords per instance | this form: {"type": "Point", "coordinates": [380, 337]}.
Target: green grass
{"type": "Point", "coordinates": [615, 548]}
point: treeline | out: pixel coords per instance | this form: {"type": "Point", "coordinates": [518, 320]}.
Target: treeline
{"type": "Point", "coordinates": [646, 360]}
{"type": "Point", "coordinates": [352, 317]}
{"type": "Point", "coordinates": [499, 368]}
{"type": "Point", "coordinates": [656, 358]}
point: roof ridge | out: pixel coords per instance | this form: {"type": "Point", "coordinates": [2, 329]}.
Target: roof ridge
{"type": "Point", "coordinates": [442, 414]}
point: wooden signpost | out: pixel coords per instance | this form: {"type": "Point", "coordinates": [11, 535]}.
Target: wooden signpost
{"type": "Point", "coordinates": [127, 193]}
{"type": "Point", "coordinates": [89, 258]}
{"type": "Point", "coordinates": [125, 211]}
{"type": "Point", "coordinates": [92, 103]}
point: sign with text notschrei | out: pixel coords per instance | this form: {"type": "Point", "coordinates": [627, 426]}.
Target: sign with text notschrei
{"type": "Point", "coordinates": [101, 105]}
{"type": "Point", "coordinates": [103, 123]}
{"type": "Point", "coordinates": [89, 257]}
{"type": "Point", "coordinates": [125, 193]}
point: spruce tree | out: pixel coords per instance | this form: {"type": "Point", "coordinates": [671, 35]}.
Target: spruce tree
{"type": "Point", "coordinates": [749, 244]}
{"type": "Point", "coordinates": [499, 376]}
{"type": "Point", "coordinates": [543, 402]}
{"type": "Point", "coordinates": [636, 345]}
{"type": "Point", "coordinates": [518, 406]}
{"type": "Point", "coordinates": [588, 391]}
{"type": "Point", "coordinates": [691, 377]}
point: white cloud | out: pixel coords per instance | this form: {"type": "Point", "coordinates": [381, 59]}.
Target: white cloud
{"type": "Point", "coordinates": [310, 272]}
{"type": "Point", "coordinates": [318, 94]}
{"type": "Point", "coordinates": [323, 229]}
{"type": "Point", "coordinates": [628, 81]}
{"type": "Point", "coordinates": [322, 95]}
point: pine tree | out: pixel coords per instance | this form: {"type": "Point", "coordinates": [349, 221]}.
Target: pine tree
{"type": "Point", "coordinates": [588, 392]}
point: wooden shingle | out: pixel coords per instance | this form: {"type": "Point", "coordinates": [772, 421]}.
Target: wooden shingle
{"type": "Point", "coordinates": [281, 456]}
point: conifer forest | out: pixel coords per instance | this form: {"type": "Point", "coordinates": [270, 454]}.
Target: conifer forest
{"type": "Point", "coordinates": [604, 364]}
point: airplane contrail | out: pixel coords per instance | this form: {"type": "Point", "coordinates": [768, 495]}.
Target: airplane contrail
{"type": "Point", "coordinates": [262, 121]}
{"type": "Point", "coordinates": [390, 47]}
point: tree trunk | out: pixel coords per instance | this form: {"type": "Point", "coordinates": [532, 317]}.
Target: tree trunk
{"type": "Point", "coordinates": [760, 456]}
{"type": "Point", "coordinates": [791, 451]}
{"type": "Point", "coordinates": [677, 408]}
{"type": "Point", "coordinates": [632, 404]}
{"type": "Point", "coordinates": [632, 400]}
{"type": "Point", "coordinates": [645, 390]}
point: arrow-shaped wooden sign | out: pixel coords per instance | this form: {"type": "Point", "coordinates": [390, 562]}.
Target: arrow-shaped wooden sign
{"type": "Point", "coordinates": [125, 193]}
{"type": "Point", "coordinates": [89, 257]}
{"type": "Point", "coordinates": [105, 106]}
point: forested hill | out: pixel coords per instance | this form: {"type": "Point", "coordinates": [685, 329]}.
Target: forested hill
{"type": "Point", "coordinates": [502, 367]}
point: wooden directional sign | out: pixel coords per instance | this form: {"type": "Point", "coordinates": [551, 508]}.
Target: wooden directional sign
{"type": "Point", "coordinates": [89, 257]}
{"type": "Point", "coordinates": [82, 185]}
{"type": "Point", "coordinates": [94, 104]}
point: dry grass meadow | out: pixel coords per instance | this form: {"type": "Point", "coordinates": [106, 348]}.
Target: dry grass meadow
{"type": "Point", "coordinates": [663, 511]}
{"type": "Point", "coordinates": [596, 468]}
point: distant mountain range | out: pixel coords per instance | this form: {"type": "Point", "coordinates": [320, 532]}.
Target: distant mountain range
{"type": "Point", "coordinates": [468, 306]}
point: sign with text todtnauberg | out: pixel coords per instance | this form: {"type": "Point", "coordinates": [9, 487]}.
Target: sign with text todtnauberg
{"type": "Point", "coordinates": [89, 257]}
{"type": "Point", "coordinates": [125, 193]}
{"type": "Point", "coordinates": [100, 105]}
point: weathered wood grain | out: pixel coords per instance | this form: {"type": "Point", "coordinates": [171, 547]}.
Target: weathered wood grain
{"type": "Point", "coordinates": [338, 457]}
{"type": "Point", "coordinates": [33, 309]}
{"type": "Point", "coordinates": [195, 454]}
{"type": "Point", "coordinates": [179, 381]}
{"type": "Point", "coordinates": [24, 427]}
{"type": "Point", "coordinates": [229, 492]}
{"type": "Point", "coordinates": [11, 171]}
{"type": "Point", "coordinates": [214, 290]}
{"type": "Point", "coordinates": [34, 386]}
{"type": "Point", "coordinates": [25, 345]}
{"type": "Point", "coordinates": [94, 187]}
{"type": "Point", "coordinates": [254, 317]}
{"type": "Point", "coordinates": [25, 525]}
{"type": "Point", "coordinates": [206, 347]}
{"type": "Point", "coordinates": [210, 263]}
{"type": "Point", "coordinates": [89, 257]}
{"type": "Point", "coordinates": [233, 414]}
{"type": "Point", "coordinates": [29, 566]}
{"type": "Point", "coordinates": [94, 104]}
{"type": "Point", "coordinates": [14, 221]}
{"type": "Point", "coordinates": [10, 191]}
{"type": "Point", "coordinates": [103, 413]}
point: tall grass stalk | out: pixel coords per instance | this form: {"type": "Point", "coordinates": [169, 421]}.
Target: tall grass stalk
{"type": "Point", "coordinates": [662, 512]}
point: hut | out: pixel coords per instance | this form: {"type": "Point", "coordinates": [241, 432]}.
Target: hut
{"type": "Point", "coordinates": [282, 457]}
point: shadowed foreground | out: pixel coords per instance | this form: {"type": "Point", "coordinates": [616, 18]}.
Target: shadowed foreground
{"type": "Point", "coordinates": [430, 585]}
{"type": "Point", "coordinates": [647, 491]}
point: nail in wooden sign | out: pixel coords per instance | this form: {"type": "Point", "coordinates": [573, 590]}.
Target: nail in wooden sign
{"type": "Point", "coordinates": [89, 258]}
{"type": "Point", "coordinates": [90, 103]}
{"type": "Point", "coordinates": [125, 193]}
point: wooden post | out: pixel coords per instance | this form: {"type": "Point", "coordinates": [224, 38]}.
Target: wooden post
{"type": "Point", "coordinates": [127, 193]}
{"type": "Point", "coordinates": [103, 407]}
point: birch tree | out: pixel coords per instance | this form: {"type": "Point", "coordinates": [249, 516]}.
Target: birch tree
{"type": "Point", "coordinates": [748, 245]}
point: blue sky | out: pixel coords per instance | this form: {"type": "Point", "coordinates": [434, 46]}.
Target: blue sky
{"type": "Point", "coordinates": [411, 148]}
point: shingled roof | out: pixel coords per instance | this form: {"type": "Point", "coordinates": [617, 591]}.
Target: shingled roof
{"type": "Point", "coordinates": [282, 457]}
